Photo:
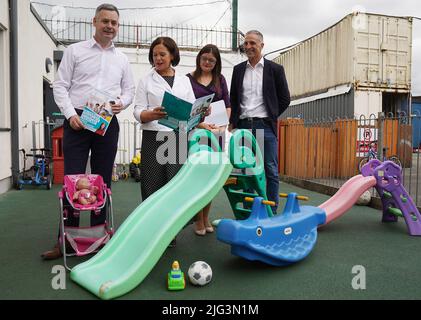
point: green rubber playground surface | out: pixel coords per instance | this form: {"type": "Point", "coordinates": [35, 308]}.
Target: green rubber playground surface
{"type": "Point", "coordinates": [391, 258]}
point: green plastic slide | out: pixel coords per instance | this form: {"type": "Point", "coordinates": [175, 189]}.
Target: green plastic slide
{"type": "Point", "coordinates": [141, 240]}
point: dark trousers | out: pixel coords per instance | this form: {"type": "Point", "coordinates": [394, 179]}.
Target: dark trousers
{"type": "Point", "coordinates": [76, 147]}
{"type": "Point", "coordinates": [270, 156]}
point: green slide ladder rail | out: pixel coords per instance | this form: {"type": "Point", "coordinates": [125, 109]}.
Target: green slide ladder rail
{"type": "Point", "coordinates": [251, 160]}
{"type": "Point", "coordinates": [140, 241]}
{"type": "Point", "coordinates": [197, 136]}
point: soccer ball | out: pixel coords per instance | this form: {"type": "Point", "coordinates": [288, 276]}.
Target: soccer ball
{"type": "Point", "coordinates": [364, 199]}
{"type": "Point", "coordinates": [200, 273]}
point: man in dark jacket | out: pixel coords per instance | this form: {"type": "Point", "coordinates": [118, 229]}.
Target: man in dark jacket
{"type": "Point", "coordinates": [259, 95]}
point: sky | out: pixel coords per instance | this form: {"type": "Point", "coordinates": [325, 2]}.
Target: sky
{"type": "Point", "coordinates": [282, 23]}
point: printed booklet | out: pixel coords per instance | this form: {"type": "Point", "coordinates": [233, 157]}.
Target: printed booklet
{"type": "Point", "coordinates": [97, 114]}
{"type": "Point", "coordinates": [183, 115]}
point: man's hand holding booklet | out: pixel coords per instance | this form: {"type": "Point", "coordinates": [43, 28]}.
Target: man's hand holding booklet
{"type": "Point", "coordinates": [98, 112]}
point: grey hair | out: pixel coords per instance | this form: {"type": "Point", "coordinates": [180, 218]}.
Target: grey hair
{"type": "Point", "coordinates": [257, 33]}
{"type": "Point", "coordinates": [106, 6]}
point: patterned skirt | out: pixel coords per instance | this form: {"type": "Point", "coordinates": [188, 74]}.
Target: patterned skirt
{"type": "Point", "coordinates": [160, 160]}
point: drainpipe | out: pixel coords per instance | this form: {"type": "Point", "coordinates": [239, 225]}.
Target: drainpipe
{"type": "Point", "coordinates": [234, 25]}
{"type": "Point", "coordinates": [14, 93]}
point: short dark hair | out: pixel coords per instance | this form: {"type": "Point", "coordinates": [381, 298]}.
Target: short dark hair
{"type": "Point", "coordinates": [106, 6]}
{"type": "Point", "coordinates": [172, 47]}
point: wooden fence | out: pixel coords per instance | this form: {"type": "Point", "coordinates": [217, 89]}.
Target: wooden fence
{"type": "Point", "coordinates": [333, 149]}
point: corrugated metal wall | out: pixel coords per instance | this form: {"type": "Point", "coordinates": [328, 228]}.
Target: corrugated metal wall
{"type": "Point", "coordinates": [340, 106]}
{"type": "Point", "coordinates": [364, 50]}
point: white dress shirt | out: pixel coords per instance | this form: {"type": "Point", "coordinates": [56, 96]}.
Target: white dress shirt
{"type": "Point", "coordinates": [86, 66]}
{"type": "Point", "coordinates": [150, 92]}
{"type": "Point", "coordinates": [252, 102]}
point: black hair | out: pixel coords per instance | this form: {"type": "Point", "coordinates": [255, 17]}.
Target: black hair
{"type": "Point", "coordinates": [172, 47]}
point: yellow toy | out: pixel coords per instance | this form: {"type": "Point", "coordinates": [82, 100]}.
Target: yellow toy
{"type": "Point", "coordinates": [134, 167]}
{"type": "Point", "coordinates": [136, 159]}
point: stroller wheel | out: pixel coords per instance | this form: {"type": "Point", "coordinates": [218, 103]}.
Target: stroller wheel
{"type": "Point", "coordinates": [132, 169]}
{"type": "Point", "coordinates": [19, 186]}
{"type": "Point", "coordinates": [137, 175]}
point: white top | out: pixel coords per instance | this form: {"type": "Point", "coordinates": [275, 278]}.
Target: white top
{"type": "Point", "coordinates": [252, 103]}
{"type": "Point", "coordinates": [86, 66]}
{"type": "Point", "coordinates": [150, 92]}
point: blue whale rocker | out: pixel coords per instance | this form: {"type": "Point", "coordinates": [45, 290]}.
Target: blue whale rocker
{"type": "Point", "coordinates": [279, 240]}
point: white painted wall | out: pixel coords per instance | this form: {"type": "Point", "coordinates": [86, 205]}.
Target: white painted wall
{"type": "Point", "coordinates": [34, 47]}
{"type": "Point", "coordinates": [4, 76]}
{"type": "Point", "coordinates": [5, 147]}
{"type": "Point", "coordinates": [4, 10]}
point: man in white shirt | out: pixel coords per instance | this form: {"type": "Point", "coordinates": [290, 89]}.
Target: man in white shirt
{"type": "Point", "coordinates": [88, 65]}
{"type": "Point", "coordinates": [259, 94]}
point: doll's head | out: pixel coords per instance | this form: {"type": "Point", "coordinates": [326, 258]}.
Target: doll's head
{"type": "Point", "coordinates": [83, 183]}
{"type": "Point", "coordinates": [85, 192]}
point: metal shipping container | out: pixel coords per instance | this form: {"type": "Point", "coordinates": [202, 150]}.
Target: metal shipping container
{"type": "Point", "coordinates": [366, 51]}
{"type": "Point", "coordinates": [346, 102]}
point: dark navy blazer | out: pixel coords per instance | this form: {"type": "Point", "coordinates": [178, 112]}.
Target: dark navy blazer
{"type": "Point", "coordinates": [275, 91]}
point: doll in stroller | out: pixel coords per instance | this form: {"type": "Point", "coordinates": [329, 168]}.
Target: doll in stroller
{"type": "Point", "coordinates": [84, 193]}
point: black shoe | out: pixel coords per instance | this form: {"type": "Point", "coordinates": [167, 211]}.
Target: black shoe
{"type": "Point", "coordinates": [172, 243]}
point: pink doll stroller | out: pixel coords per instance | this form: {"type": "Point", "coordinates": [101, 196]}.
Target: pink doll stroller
{"type": "Point", "coordinates": [80, 241]}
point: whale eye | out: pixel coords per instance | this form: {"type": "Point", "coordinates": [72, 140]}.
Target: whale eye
{"type": "Point", "coordinates": [259, 232]}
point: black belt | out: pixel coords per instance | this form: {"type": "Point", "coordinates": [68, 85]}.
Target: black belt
{"type": "Point", "coordinates": [251, 119]}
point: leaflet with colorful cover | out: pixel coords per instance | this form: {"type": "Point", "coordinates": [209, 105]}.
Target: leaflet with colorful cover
{"type": "Point", "coordinates": [183, 115]}
{"type": "Point", "coordinates": [97, 114]}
